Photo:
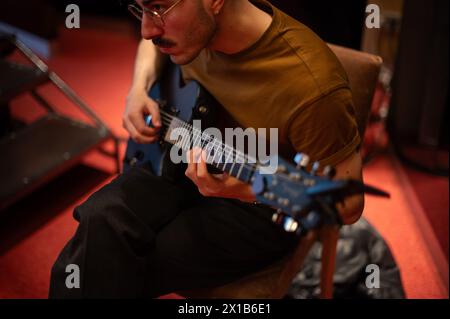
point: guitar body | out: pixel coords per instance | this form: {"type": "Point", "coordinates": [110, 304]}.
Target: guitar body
{"type": "Point", "coordinates": [192, 102]}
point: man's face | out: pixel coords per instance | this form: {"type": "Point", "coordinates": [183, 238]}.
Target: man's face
{"type": "Point", "coordinates": [188, 28]}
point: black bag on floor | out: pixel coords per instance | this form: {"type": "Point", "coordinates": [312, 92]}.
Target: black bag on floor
{"type": "Point", "coordinates": [360, 247]}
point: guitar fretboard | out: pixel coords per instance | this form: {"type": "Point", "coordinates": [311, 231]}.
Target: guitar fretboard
{"type": "Point", "coordinates": [218, 154]}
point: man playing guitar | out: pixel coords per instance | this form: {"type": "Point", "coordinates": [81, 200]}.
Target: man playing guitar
{"type": "Point", "coordinates": [144, 236]}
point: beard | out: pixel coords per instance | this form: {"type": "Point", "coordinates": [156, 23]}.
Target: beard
{"type": "Point", "coordinates": [198, 37]}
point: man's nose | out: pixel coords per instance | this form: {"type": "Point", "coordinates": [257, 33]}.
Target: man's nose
{"type": "Point", "coordinates": [148, 28]}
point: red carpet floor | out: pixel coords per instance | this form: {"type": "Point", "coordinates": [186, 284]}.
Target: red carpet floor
{"type": "Point", "coordinates": [98, 64]}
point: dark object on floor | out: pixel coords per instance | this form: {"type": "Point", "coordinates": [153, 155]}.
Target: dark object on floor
{"type": "Point", "coordinates": [359, 245]}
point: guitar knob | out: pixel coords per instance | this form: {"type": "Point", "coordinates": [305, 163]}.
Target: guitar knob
{"type": "Point", "coordinates": [203, 109]}
{"type": "Point", "coordinates": [162, 103]}
{"type": "Point", "coordinates": [329, 171]}
{"type": "Point", "coordinates": [174, 111]}
{"type": "Point", "coordinates": [139, 155]}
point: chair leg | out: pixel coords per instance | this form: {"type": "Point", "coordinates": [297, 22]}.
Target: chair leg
{"type": "Point", "coordinates": [329, 236]}
{"type": "Point", "coordinates": [294, 265]}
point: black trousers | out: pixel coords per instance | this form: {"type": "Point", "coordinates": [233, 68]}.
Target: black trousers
{"type": "Point", "coordinates": [143, 236]}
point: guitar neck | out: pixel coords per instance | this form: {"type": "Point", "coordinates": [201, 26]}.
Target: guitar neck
{"type": "Point", "coordinates": [185, 136]}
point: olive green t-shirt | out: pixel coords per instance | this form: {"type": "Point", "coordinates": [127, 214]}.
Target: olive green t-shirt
{"type": "Point", "coordinates": [289, 79]}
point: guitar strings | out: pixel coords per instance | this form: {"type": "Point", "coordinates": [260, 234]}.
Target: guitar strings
{"type": "Point", "coordinates": [197, 134]}
{"type": "Point", "coordinates": [190, 128]}
{"type": "Point", "coordinates": [216, 142]}
{"type": "Point", "coordinates": [168, 120]}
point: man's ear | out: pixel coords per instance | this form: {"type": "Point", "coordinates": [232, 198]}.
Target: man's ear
{"type": "Point", "coordinates": [216, 6]}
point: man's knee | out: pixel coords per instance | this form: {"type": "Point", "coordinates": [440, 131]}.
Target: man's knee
{"type": "Point", "coordinates": [101, 205]}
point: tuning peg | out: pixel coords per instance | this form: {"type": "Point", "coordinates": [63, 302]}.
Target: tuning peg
{"type": "Point", "coordinates": [282, 169]}
{"type": "Point", "coordinates": [283, 202]}
{"type": "Point", "coordinates": [329, 171]}
{"type": "Point", "coordinates": [302, 160]}
{"type": "Point", "coordinates": [288, 223]}
{"type": "Point", "coordinates": [294, 176]}
{"type": "Point", "coordinates": [269, 196]}
{"type": "Point", "coordinates": [315, 168]}
{"type": "Point", "coordinates": [277, 217]}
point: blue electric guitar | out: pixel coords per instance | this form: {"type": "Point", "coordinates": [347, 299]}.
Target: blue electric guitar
{"type": "Point", "coordinates": [302, 199]}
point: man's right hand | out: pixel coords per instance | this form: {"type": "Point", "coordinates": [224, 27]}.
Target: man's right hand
{"type": "Point", "coordinates": [138, 105]}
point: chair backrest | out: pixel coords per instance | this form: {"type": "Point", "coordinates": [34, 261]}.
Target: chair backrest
{"type": "Point", "coordinates": [362, 71]}
{"type": "Point", "coordinates": [274, 281]}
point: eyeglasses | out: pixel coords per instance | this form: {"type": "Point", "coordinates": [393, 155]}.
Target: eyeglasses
{"type": "Point", "coordinates": [156, 15]}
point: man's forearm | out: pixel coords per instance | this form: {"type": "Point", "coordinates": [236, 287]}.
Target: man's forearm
{"type": "Point", "coordinates": [148, 64]}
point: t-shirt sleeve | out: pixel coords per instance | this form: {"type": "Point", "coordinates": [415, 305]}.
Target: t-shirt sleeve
{"type": "Point", "coordinates": [326, 130]}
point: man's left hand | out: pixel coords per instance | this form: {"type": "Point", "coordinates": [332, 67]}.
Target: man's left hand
{"type": "Point", "coordinates": [215, 185]}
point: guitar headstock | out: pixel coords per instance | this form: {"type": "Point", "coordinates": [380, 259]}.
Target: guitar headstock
{"type": "Point", "coordinates": [302, 197]}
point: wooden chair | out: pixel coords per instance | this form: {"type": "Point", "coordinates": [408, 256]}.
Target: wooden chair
{"type": "Point", "coordinates": [274, 281]}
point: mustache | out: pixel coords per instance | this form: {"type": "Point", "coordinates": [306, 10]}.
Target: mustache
{"type": "Point", "coordinates": [162, 42]}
